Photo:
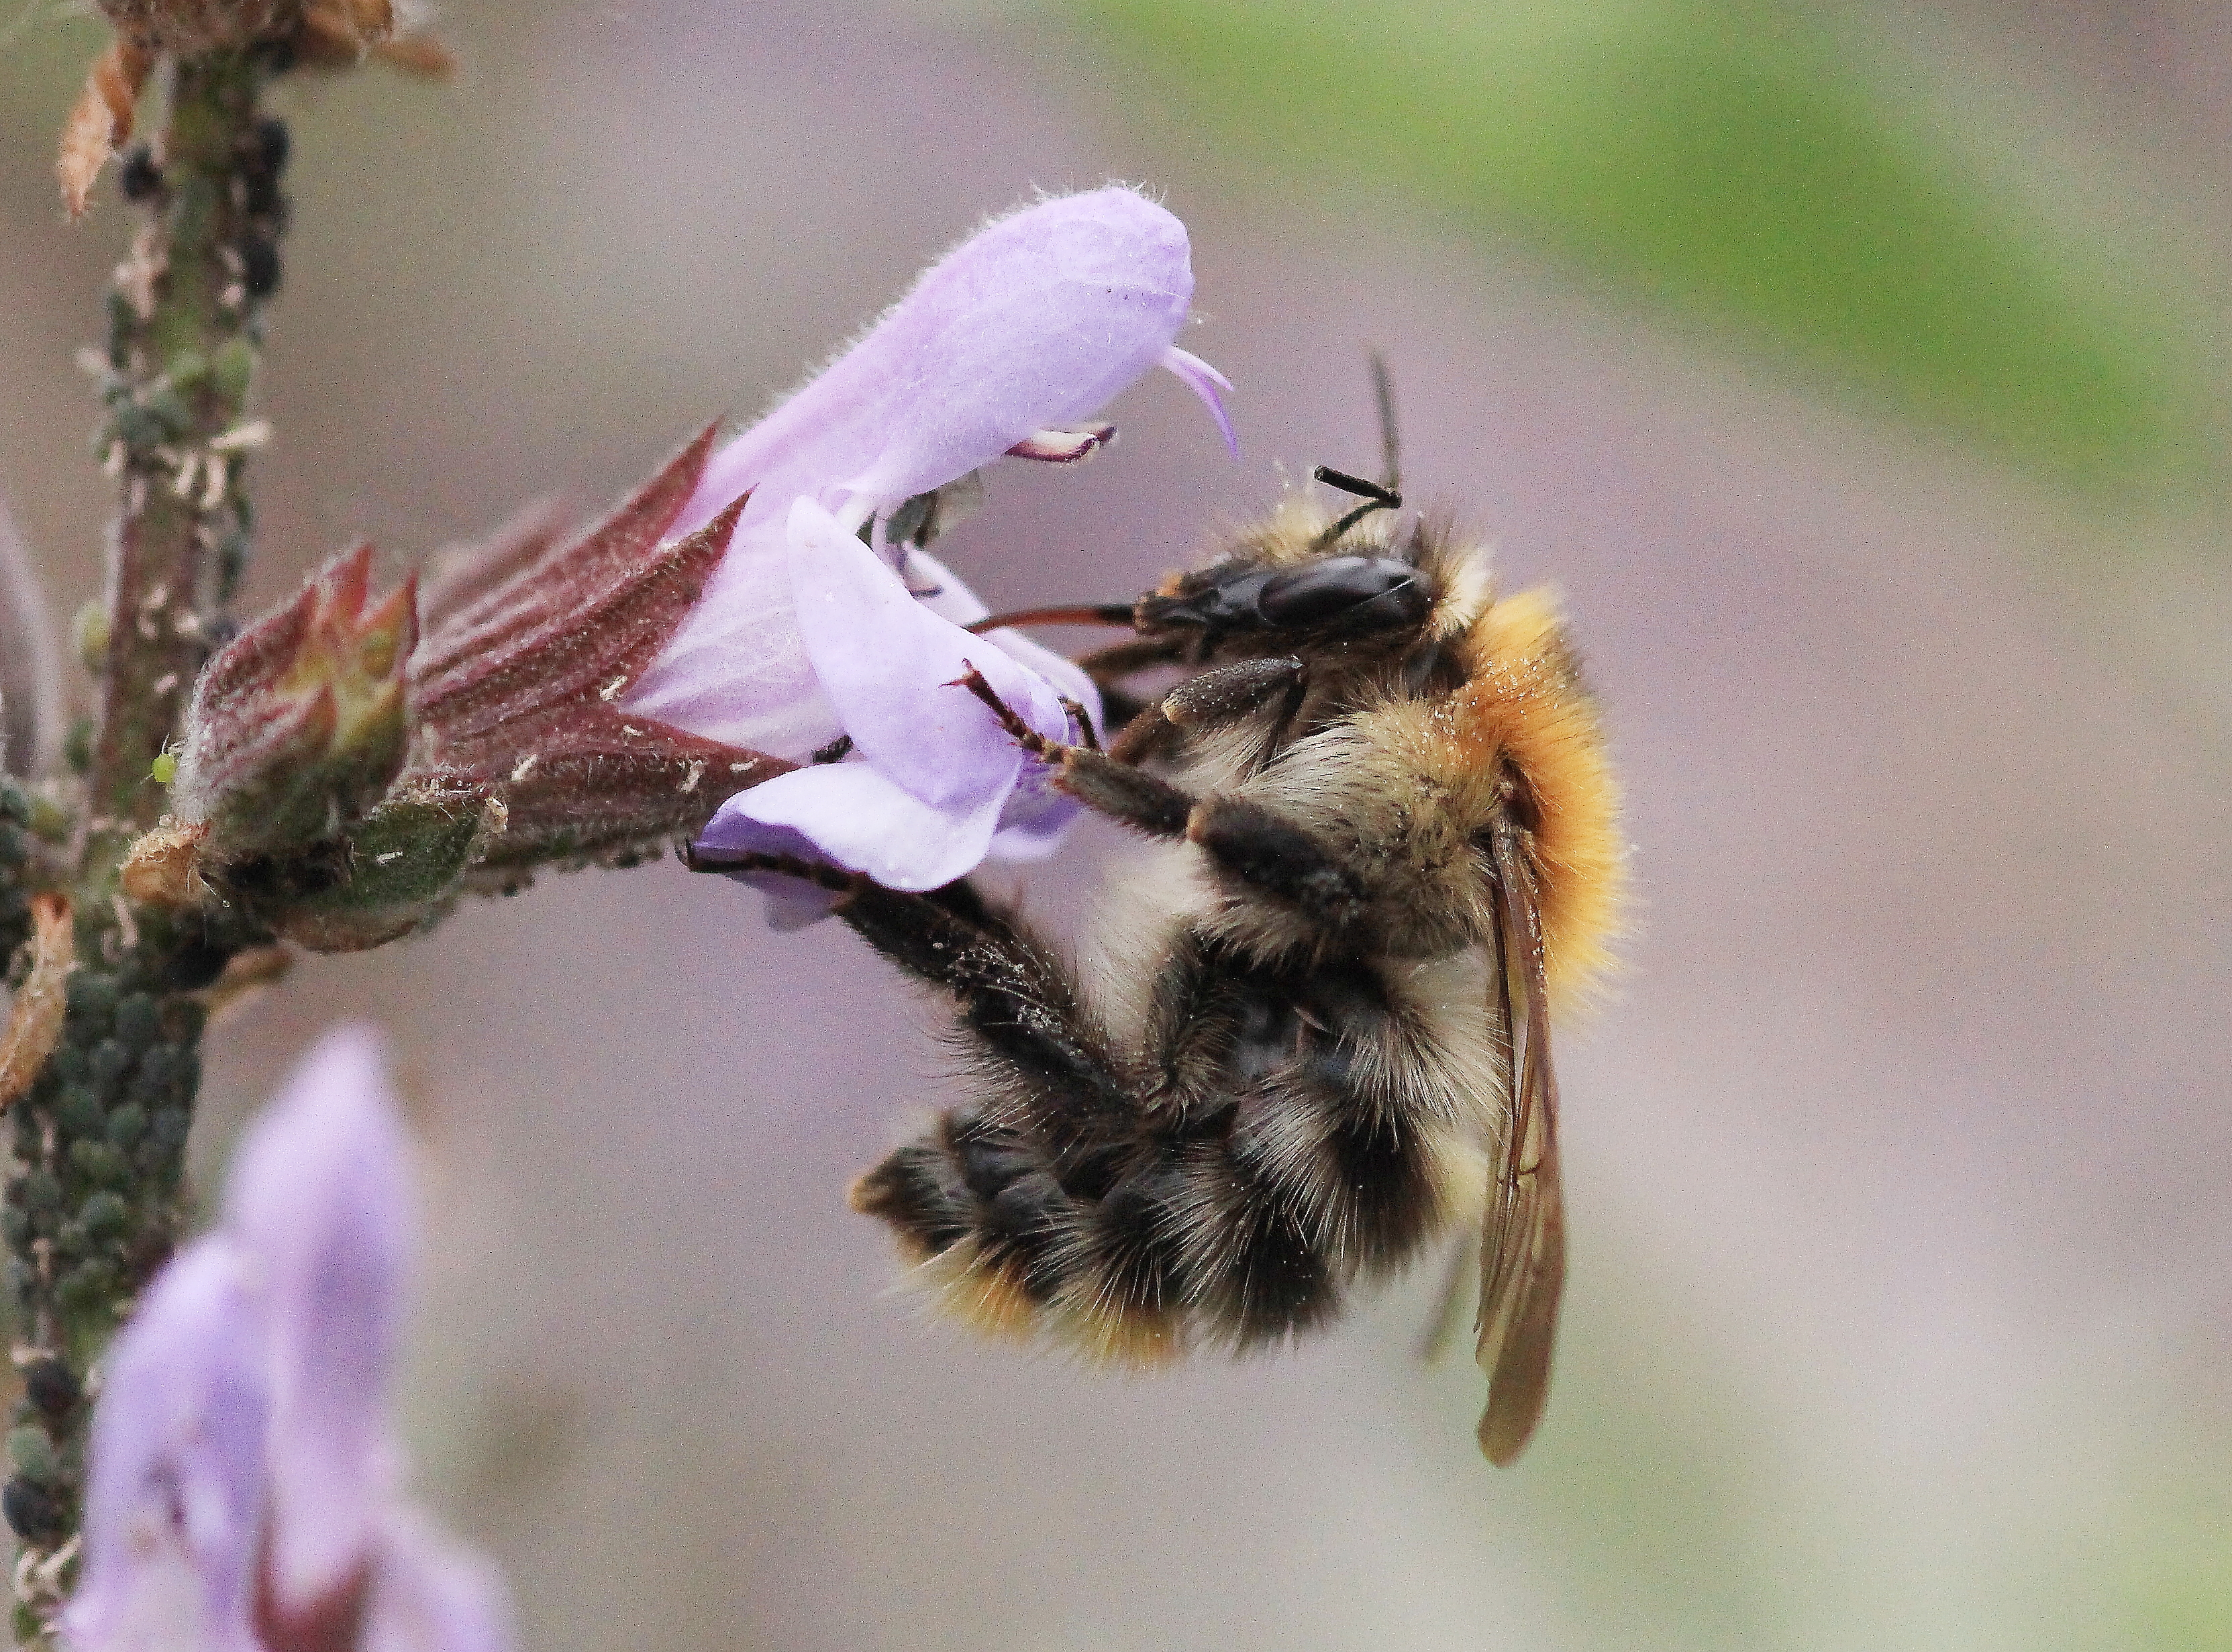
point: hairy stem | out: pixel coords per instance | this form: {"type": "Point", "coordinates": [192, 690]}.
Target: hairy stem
{"type": "Point", "coordinates": [182, 350]}
{"type": "Point", "coordinates": [94, 1201]}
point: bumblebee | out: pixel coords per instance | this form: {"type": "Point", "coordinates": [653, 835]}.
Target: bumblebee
{"type": "Point", "coordinates": [1317, 1020]}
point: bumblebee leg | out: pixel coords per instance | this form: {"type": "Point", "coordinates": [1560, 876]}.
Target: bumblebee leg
{"type": "Point", "coordinates": [1206, 701]}
{"type": "Point", "coordinates": [1231, 691]}
{"type": "Point", "coordinates": [1022, 1173]}
{"type": "Point", "coordinates": [1057, 1191]}
{"type": "Point", "coordinates": [1119, 707]}
{"type": "Point", "coordinates": [820, 874]}
{"type": "Point", "coordinates": [1109, 666]}
{"type": "Point", "coordinates": [1145, 733]}
{"type": "Point", "coordinates": [1094, 778]}
{"type": "Point", "coordinates": [1011, 994]}
{"type": "Point", "coordinates": [1248, 841]}
{"type": "Point", "coordinates": [1081, 720]}
{"type": "Point", "coordinates": [1269, 852]}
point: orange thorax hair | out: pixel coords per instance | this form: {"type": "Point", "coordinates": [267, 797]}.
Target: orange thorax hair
{"type": "Point", "coordinates": [1524, 705]}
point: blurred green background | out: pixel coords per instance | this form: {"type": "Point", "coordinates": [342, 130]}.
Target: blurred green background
{"type": "Point", "coordinates": [1857, 372]}
{"type": "Point", "coordinates": [1755, 169]}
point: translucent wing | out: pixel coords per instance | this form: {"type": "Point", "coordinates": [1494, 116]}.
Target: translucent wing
{"type": "Point", "coordinates": [1450, 1297]}
{"type": "Point", "coordinates": [1522, 1257]}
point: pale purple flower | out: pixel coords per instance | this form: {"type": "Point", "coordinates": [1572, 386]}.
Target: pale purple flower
{"type": "Point", "coordinates": [1033, 323]}
{"type": "Point", "coordinates": [175, 1486]}
{"type": "Point", "coordinates": [932, 776]}
{"type": "Point", "coordinates": [241, 1491]}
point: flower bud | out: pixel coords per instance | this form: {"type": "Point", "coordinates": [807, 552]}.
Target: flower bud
{"type": "Point", "coordinates": [297, 724]}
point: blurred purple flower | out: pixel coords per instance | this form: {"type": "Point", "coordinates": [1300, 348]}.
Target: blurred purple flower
{"type": "Point", "coordinates": [934, 776]}
{"type": "Point", "coordinates": [175, 1485]}
{"type": "Point", "coordinates": [1033, 322]}
{"type": "Point", "coordinates": [241, 1489]}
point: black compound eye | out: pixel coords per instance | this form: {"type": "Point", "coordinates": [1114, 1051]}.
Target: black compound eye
{"type": "Point", "coordinates": [1341, 587]}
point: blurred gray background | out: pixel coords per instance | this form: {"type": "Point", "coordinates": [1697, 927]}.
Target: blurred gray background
{"type": "Point", "coordinates": [1902, 1291]}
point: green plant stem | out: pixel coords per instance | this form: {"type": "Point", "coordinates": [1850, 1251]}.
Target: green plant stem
{"type": "Point", "coordinates": [182, 348]}
{"type": "Point", "coordinates": [95, 1200]}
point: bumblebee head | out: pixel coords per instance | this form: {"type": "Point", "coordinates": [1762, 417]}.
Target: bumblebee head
{"type": "Point", "coordinates": [1355, 593]}
{"type": "Point", "coordinates": [1331, 598]}
{"type": "Point", "coordinates": [1305, 582]}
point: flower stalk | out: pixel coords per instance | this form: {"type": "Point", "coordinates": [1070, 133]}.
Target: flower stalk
{"type": "Point", "coordinates": [184, 338]}
{"type": "Point", "coordinates": [754, 651]}
{"type": "Point", "coordinates": [93, 1203]}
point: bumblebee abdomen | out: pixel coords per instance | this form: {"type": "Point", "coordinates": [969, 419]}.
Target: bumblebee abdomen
{"type": "Point", "coordinates": [1266, 1160]}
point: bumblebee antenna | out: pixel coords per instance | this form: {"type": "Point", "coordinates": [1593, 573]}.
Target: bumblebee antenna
{"type": "Point", "coordinates": [1390, 442]}
{"type": "Point", "coordinates": [1375, 497]}
{"type": "Point", "coordinates": [1381, 498]}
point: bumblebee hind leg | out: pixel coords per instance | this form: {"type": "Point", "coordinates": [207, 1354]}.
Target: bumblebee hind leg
{"type": "Point", "coordinates": [1020, 1205]}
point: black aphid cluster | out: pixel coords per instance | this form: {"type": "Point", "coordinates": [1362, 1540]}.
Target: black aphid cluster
{"type": "Point", "coordinates": [105, 1127]}
{"type": "Point", "coordinates": [101, 1135]}
{"type": "Point", "coordinates": [263, 153]}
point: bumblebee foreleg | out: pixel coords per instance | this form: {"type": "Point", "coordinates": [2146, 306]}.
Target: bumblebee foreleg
{"type": "Point", "coordinates": [1207, 700]}
{"type": "Point", "coordinates": [1096, 778]}
{"type": "Point", "coordinates": [1248, 841]}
